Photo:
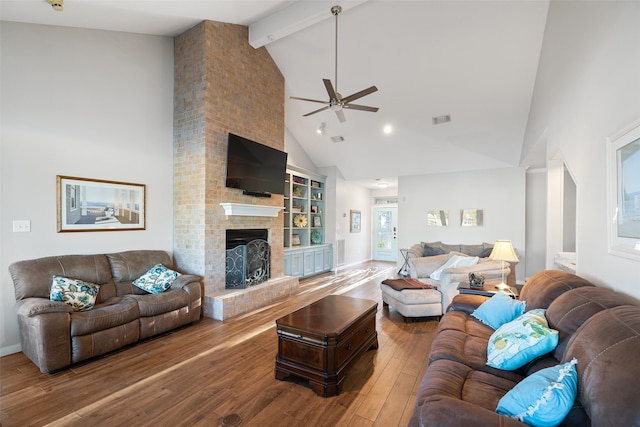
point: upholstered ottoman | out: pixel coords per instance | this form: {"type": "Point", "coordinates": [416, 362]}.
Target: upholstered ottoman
{"type": "Point", "coordinates": [411, 298]}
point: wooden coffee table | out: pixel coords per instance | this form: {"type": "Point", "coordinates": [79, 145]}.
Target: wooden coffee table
{"type": "Point", "coordinates": [322, 340]}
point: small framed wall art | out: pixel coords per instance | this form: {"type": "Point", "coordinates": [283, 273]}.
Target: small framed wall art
{"type": "Point", "coordinates": [85, 204]}
{"type": "Point", "coordinates": [355, 221]}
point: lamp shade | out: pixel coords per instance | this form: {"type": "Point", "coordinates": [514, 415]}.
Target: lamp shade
{"type": "Point", "coordinates": [503, 251]}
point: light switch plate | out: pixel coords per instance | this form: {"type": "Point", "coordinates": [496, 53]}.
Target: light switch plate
{"type": "Point", "coordinates": [21, 226]}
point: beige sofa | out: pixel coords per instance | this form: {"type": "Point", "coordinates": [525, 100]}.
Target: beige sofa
{"type": "Point", "coordinates": [54, 336]}
{"type": "Point", "coordinates": [433, 302]}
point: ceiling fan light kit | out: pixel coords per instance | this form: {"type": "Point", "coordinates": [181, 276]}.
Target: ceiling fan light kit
{"type": "Point", "coordinates": [336, 102]}
{"type": "Point", "coordinates": [56, 4]}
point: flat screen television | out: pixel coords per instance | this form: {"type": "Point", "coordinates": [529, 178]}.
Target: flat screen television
{"type": "Point", "coordinates": [256, 169]}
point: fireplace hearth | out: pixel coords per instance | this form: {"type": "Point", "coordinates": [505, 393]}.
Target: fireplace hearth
{"type": "Point", "coordinates": [248, 258]}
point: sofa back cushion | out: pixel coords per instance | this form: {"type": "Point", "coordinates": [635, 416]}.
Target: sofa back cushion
{"type": "Point", "coordinates": [130, 265]}
{"type": "Point", "coordinates": [570, 310]}
{"type": "Point", "coordinates": [607, 348]}
{"type": "Point", "coordinates": [545, 286]}
{"type": "Point", "coordinates": [33, 278]}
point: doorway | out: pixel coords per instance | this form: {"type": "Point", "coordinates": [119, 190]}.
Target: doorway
{"type": "Point", "coordinates": [385, 233]}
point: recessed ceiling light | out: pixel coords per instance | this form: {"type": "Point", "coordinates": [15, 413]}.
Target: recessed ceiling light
{"type": "Point", "coordinates": [337, 139]}
{"type": "Point", "coordinates": [381, 184]}
{"type": "Point", "coordinates": [321, 128]}
{"type": "Point", "coordinates": [441, 119]}
{"type": "Point", "coordinates": [387, 129]}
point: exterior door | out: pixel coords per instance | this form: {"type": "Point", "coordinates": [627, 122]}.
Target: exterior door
{"type": "Point", "coordinates": [385, 232]}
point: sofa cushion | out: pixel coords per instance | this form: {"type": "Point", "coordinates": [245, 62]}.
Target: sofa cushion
{"type": "Point", "coordinates": [450, 248]}
{"type": "Point", "coordinates": [32, 278]}
{"type": "Point", "coordinates": [542, 399]}
{"type": "Point", "coordinates": [463, 383]}
{"type": "Point", "coordinates": [155, 304]}
{"type": "Point", "coordinates": [157, 280]}
{"type": "Point", "coordinates": [117, 311]}
{"type": "Point", "coordinates": [520, 341]}
{"type": "Point", "coordinates": [472, 250]}
{"type": "Point", "coordinates": [570, 310]}
{"type": "Point", "coordinates": [498, 310]}
{"type": "Point", "coordinates": [429, 251]}
{"type": "Point", "coordinates": [454, 261]}
{"type": "Point", "coordinates": [78, 294]}
{"type": "Point", "coordinates": [129, 265]}
{"type": "Point", "coordinates": [545, 286]}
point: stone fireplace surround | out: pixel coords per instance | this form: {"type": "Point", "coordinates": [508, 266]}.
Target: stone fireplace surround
{"type": "Point", "coordinates": [222, 85]}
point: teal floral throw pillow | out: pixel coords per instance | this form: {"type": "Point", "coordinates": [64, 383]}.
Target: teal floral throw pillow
{"type": "Point", "coordinates": [80, 295]}
{"type": "Point", "coordinates": [518, 342]}
{"type": "Point", "coordinates": [157, 280]}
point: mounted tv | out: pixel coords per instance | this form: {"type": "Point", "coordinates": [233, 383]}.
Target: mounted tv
{"type": "Point", "coordinates": [256, 169]}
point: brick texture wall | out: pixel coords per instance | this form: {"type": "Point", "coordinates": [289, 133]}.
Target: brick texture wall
{"type": "Point", "coordinates": [222, 85]}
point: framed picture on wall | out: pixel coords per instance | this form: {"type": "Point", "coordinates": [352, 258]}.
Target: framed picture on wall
{"type": "Point", "coordinates": [471, 217]}
{"type": "Point", "coordinates": [623, 192]}
{"type": "Point", "coordinates": [85, 204]}
{"type": "Point", "coordinates": [355, 221]}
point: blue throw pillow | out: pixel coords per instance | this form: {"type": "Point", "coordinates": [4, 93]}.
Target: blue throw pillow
{"type": "Point", "coordinates": [498, 310]}
{"type": "Point", "coordinates": [518, 342]}
{"type": "Point", "coordinates": [542, 399]}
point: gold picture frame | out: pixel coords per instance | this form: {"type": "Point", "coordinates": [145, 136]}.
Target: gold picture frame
{"type": "Point", "coordinates": [85, 204]}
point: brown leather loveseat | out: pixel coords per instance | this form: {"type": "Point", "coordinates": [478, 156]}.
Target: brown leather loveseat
{"type": "Point", "coordinates": [54, 336]}
{"type": "Point", "coordinates": [598, 327]}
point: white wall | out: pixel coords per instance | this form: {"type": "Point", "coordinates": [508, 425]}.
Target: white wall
{"type": "Point", "coordinates": [82, 103]}
{"type": "Point", "coordinates": [344, 196]}
{"type": "Point", "coordinates": [500, 192]}
{"type": "Point", "coordinates": [588, 88]}
{"type": "Point", "coordinates": [536, 224]}
{"type": "Point", "coordinates": [296, 156]}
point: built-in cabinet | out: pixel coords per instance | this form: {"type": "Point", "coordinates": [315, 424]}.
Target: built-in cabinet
{"type": "Point", "coordinates": [305, 250]}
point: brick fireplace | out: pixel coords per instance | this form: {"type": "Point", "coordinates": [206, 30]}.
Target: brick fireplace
{"type": "Point", "coordinates": [223, 85]}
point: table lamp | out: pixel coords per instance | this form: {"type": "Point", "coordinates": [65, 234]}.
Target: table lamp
{"type": "Point", "coordinates": [503, 252]}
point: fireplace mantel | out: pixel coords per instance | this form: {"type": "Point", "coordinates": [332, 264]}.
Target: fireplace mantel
{"type": "Point", "coordinates": [243, 209]}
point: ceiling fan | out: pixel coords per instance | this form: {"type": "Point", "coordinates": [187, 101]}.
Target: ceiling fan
{"type": "Point", "coordinates": [336, 102]}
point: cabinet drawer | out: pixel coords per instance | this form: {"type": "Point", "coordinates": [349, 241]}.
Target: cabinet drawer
{"type": "Point", "coordinates": [352, 343]}
{"type": "Point", "coordinates": [302, 353]}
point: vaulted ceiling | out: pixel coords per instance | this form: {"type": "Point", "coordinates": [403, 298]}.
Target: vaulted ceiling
{"type": "Point", "coordinates": [474, 60]}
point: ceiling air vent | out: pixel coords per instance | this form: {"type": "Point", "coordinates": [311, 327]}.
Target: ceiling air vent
{"type": "Point", "coordinates": [337, 139]}
{"type": "Point", "coordinates": [441, 119]}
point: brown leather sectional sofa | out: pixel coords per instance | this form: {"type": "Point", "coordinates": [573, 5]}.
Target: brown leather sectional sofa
{"type": "Point", "coordinates": [597, 326]}
{"type": "Point", "coordinates": [54, 336]}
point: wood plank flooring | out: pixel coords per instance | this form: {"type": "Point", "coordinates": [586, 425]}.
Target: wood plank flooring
{"type": "Point", "coordinates": [199, 374]}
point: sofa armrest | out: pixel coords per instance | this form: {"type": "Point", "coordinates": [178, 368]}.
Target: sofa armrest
{"type": "Point", "coordinates": [445, 411]}
{"type": "Point", "coordinates": [424, 266]}
{"type": "Point", "coordinates": [184, 280]}
{"type": "Point", "coordinates": [467, 303]}
{"type": "Point", "coordinates": [45, 332]}
{"type": "Point", "coordinates": [192, 285]}
{"type": "Point", "coordinates": [31, 307]}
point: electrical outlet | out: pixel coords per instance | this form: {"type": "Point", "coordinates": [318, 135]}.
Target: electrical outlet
{"type": "Point", "coordinates": [21, 226]}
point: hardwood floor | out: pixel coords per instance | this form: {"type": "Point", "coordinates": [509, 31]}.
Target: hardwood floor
{"type": "Point", "coordinates": [201, 373]}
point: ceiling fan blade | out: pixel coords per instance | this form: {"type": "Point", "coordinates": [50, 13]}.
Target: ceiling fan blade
{"type": "Point", "coordinates": [341, 116]}
{"type": "Point", "coordinates": [360, 107]}
{"type": "Point", "coordinates": [316, 111]}
{"type": "Point", "coordinates": [330, 90]}
{"type": "Point", "coordinates": [308, 99]}
{"type": "Point", "coordinates": [360, 94]}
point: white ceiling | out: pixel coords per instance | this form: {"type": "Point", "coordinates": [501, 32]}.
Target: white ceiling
{"type": "Point", "coordinates": [475, 60]}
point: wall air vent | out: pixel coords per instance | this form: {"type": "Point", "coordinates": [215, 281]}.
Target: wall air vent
{"type": "Point", "coordinates": [441, 119]}
{"type": "Point", "coordinates": [337, 138]}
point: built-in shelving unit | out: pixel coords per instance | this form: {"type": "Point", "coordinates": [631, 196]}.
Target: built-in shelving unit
{"type": "Point", "coordinates": [303, 209]}
{"type": "Point", "coordinates": [306, 252]}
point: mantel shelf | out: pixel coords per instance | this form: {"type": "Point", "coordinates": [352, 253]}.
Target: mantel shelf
{"type": "Point", "coordinates": [243, 209]}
